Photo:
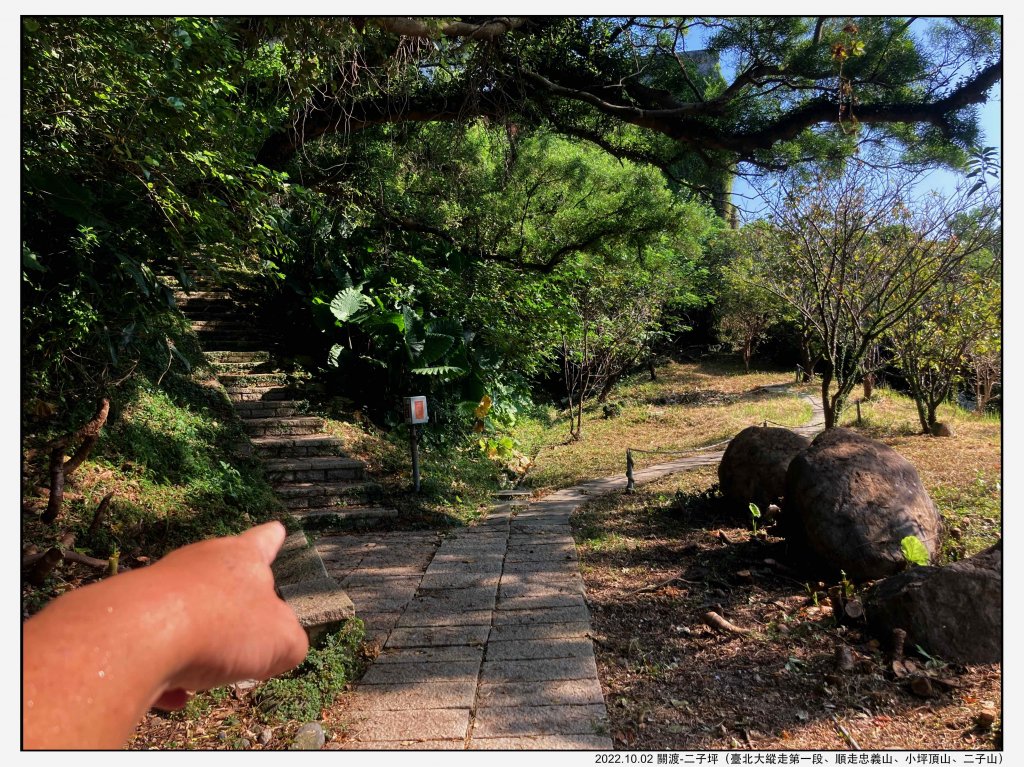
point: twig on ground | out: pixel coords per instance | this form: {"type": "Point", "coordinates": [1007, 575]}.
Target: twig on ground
{"type": "Point", "coordinates": [655, 586]}
{"type": "Point", "coordinates": [845, 733]}
{"type": "Point", "coordinates": [716, 621]}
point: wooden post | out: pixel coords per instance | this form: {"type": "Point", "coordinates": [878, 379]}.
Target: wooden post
{"type": "Point", "coordinates": [858, 412]}
{"type": "Point", "coordinates": [629, 470]}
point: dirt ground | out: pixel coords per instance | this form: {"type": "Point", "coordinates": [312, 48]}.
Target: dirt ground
{"type": "Point", "coordinates": [656, 562]}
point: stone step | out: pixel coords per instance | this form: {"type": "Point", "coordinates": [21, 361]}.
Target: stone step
{"type": "Point", "coordinates": [231, 342]}
{"type": "Point", "coordinates": [295, 425]}
{"type": "Point", "coordinates": [313, 469]}
{"type": "Point", "coordinates": [301, 446]}
{"type": "Point", "coordinates": [319, 602]}
{"type": "Point", "coordinates": [233, 380]}
{"type": "Point", "coordinates": [228, 323]}
{"type": "Point", "coordinates": [344, 514]}
{"type": "Point", "coordinates": [243, 368]}
{"type": "Point", "coordinates": [319, 495]}
{"type": "Point", "coordinates": [218, 306]}
{"type": "Point", "coordinates": [208, 313]}
{"type": "Point", "coordinates": [229, 356]}
{"type": "Point", "coordinates": [202, 295]}
{"type": "Point", "coordinates": [249, 394]}
{"type": "Point", "coordinates": [256, 409]}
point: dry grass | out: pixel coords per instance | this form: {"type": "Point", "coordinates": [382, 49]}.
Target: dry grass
{"type": "Point", "coordinates": [689, 406]}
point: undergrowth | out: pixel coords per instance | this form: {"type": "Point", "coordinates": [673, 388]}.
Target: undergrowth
{"type": "Point", "coordinates": [303, 693]}
{"type": "Point", "coordinates": [169, 455]}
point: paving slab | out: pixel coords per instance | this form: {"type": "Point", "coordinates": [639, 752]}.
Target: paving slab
{"type": "Point", "coordinates": [542, 554]}
{"type": "Point", "coordinates": [543, 615]}
{"type": "Point", "coordinates": [416, 673]}
{"type": "Point", "coordinates": [538, 601]}
{"type": "Point", "coordinates": [380, 571]}
{"type": "Point", "coordinates": [566, 578]}
{"type": "Point", "coordinates": [549, 647]}
{"type": "Point", "coordinates": [538, 670]}
{"type": "Point", "coordinates": [516, 721]}
{"type": "Point", "coordinates": [533, 631]}
{"type": "Point", "coordinates": [543, 743]}
{"type": "Point", "coordinates": [459, 561]}
{"type": "Point", "coordinates": [418, 695]}
{"type": "Point", "coordinates": [538, 588]}
{"type": "Point", "coordinates": [444, 654]}
{"type": "Point", "coordinates": [540, 537]}
{"type": "Point", "coordinates": [439, 636]}
{"type": "Point", "coordinates": [369, 600]}
{"type": "Point", "coordinates": [551, 692]}
{"type": "Point", "coordinates": [440, 579]}
{"type": "Point", "coordinates": [566, 566]}
{"type": "Point", "coordinates": [452, 600]}
{"type": "Point", "coordinates": [445, 618]}
{"type": "Point", "coordinates": [416, 724]}
{"type": "Point", "coordinates": [538, 527]}
{"type": "Point", "coordinates": [360, 579]}
{"type": "Point", "coordinates": [375, 621]}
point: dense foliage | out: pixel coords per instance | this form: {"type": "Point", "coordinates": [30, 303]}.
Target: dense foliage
{"type": "Point", "coordinates": [449, 204]}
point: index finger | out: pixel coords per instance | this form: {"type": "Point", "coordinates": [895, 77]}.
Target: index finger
{"type": "Point", "coordinates": [267, 538]}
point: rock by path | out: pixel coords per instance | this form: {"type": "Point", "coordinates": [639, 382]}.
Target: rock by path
{"type": "Point", "coordinates": [485, 634]}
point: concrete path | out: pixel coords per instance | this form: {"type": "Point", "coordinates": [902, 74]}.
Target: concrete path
{"type": "Point", "coordinates": [484, 633]}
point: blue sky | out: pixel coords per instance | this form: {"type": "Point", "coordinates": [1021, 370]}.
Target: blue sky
{"type": "Point", "coordinates": [940, 179]}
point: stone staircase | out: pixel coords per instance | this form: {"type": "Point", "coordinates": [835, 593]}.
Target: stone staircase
{"type": "Point", "coordinates": [313, 477]}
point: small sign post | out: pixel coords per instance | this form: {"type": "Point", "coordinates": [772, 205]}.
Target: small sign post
{"type": "Point", "coordinates": [415, 414]}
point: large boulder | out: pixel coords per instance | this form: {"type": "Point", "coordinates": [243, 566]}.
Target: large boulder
{"type": "Point", "coordinates": [753, 468]}
{"type": "Point", "coordinates": [850, 501]}
{"type": "Point", "coordinates": [953, 612]}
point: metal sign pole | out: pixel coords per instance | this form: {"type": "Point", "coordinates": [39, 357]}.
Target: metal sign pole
{"type": "Point", "coordinates": [415, 457]}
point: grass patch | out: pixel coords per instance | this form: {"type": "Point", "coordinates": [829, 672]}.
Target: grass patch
{"type": "Point", "coordinates": [688, 406]}
{"type": "Point", "coordinates": [456, 481]}
{"type": "Point", "coordinates": [169, 456]}
{"type": "Point", "coordinates": [303, 694]}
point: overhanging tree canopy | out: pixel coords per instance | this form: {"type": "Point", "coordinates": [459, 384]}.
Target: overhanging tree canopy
{"type": "Point", "coordinates": [766, 91]}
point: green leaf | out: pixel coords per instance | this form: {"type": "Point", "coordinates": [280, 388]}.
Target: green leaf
{"type": "Point", "coordinates": [30, 260]}
{"type": "Point", "coordinates": [440, 370]}
{"type": "Point", "coordinates": [754, 511]}
{"type": "Point", "coordinates": [177, 103]}
{"type": "Point", "coordinates": [914, 552]}
{"type": "Point", "coordinates": [333, 354]}
{"type": "Point", "coordinates": [434, 348]}
{"type": "Point", "coordinates": [348, 303]}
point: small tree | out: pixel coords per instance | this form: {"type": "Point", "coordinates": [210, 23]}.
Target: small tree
{"type": "Point", "coordinates": [935, 340]}
{"type": "Point", "coordinates": [853, 255]}
{"type": "Point", "coordinates": [746, 311]}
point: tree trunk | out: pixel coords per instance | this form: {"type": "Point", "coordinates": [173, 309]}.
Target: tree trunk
{"type": "Point", "coordinates": [748, 352]}
{"type": "Point", "coordinates": [56, 486]}
{"type": "Point", "coordinates": [869, 385]}
{"type": "Point", "coordinates": [826, 402]}
{"type": "Point", "coordinates": [807, 359]}
{"type": "Point", "coordinates": [61, 469]}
